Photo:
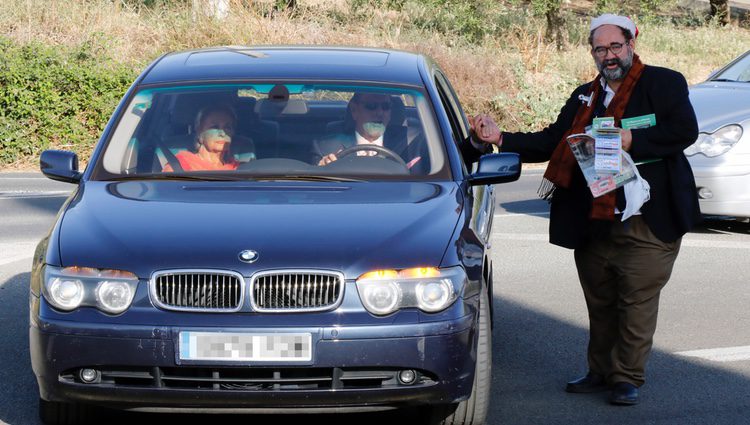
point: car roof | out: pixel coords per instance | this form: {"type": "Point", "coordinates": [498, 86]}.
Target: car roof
{"type": "Point", "coordinates": [287, 63]}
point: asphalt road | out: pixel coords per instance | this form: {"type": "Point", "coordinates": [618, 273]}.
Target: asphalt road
{"type": "Point", "coordinates": [540, 323]}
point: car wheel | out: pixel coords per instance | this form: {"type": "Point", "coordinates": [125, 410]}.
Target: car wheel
{"type": "Point", "coordinates": [472, 411]}
{"type": "Point", "coordinates": [56, 413]}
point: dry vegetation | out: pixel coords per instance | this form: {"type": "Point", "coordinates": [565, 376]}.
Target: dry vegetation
{"type": "Point", "coordinates": [513, 73]}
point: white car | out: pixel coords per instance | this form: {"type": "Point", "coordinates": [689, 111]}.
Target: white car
{"type": "Point", "coordinates": [720, 157]}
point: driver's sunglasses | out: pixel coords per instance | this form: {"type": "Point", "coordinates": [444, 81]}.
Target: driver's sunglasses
{"type": "Point", "coordinates": [371, 106]}
{"type": "Point", "coordinates": [615, 48]}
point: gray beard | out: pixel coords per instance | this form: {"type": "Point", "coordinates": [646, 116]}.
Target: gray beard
{"type": "Point", "coordinates": [623, 66]}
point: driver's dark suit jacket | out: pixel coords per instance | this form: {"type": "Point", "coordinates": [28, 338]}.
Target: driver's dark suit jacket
{"type": "Point", "coordinates": [394, 138]}
{"type": "Point", "coordinates": [673, 208]}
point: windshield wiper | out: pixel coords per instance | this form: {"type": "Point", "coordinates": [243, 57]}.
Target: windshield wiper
{"type": "Point", "coordinates": [240, 177]}
{"type": "Point", "coordinates": [725, 80]}
{"type": "Point", "coordinates": [171, 176]}
{"type": "Point", "coordinates": [306, 177]}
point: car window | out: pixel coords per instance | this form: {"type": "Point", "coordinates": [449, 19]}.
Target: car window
{"type": "Point", "coordinates": [449, 95]}
{"type": "Point", "coordinates": [739, 71]}
{"type": "Point", "coordinates": [267, 130]}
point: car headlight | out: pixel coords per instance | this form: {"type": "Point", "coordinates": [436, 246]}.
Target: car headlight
{"type": "Point", "coordinates": [68, 288]}
{"type": "Point", "coordinates": [114, 296]}
{"type": "Point", "coordinates": [433, 295]}
{"type": "Point", "coordinates": [381, 298]}
{"type": "Point", "coordinates": [65, 293]}
{"type": "Point", "coordinates": [426, 288]}
{"type": "Point", "coordinates": [716, 143]}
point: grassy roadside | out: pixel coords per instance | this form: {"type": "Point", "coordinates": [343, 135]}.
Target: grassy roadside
{"type": "Point", "coordinates": [64, 64]}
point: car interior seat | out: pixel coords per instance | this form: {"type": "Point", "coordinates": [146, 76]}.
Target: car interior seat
{"type": "Point", "coordinates": [264, 133]}
{"type": "Point", "coordinates": [177, 134]}
{"type": "Point", "coordinates": [295, 125]}
{"type": "Point", "coordinates": [342, 126]}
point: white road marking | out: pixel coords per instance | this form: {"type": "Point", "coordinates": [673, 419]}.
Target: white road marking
{"type": "Point", "coordinates": [534, 213]}
{"type": "Point", "coordinates": [542, 237]}
{"type": "Point", "coordinates": [10, 252]}
{"type": "Point", "coordinates": [726, 354]}
{"type": "Point", "coordinates": [702, 243]}
{"type": "Point", "coordinates": [15, 194]}
{"type": "Point", "coordinates": [687, 241]}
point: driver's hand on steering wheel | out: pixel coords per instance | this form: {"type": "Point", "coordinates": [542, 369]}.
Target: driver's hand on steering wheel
{"type": "Point", "coordinates": [327, 159]}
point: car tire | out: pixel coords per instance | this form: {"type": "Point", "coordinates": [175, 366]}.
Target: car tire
{"type": "Point", "coordinates": [56, 413]}
{"type": "Point", "coordinates": [472, 411]}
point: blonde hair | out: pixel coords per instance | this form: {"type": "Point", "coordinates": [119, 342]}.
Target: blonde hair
{"type": "Point", "coordinates": [210, 109]}
{"type": "Point", "coordinates": [206, 111]}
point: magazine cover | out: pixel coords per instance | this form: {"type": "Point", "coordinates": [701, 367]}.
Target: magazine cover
{"type": "Point", "coordinates": [606, 177]}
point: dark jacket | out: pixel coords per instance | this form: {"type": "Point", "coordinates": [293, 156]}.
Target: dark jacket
{"type": "Point", "coordinates": [395, 139]}
{"type": "Point", "coordinates": [673, 207]}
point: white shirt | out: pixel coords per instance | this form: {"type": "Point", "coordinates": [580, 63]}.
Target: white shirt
{"type": "Point", "coordinates": [608, 92]}
{"type": "Point", "coordinates": [362, 141]}
{"type": "Point", "coordinates": [608, 95]}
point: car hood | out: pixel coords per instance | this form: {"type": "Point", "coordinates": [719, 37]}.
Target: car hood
{"type": "Point", "coordinates": [144, 226]}
{"type": "Point", "coordinates": [719, 103]}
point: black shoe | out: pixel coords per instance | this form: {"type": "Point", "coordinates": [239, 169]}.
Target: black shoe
{"type": "Point", "coordinates": [624, 394]}
{"type": "Point", "coordinates": [591, 383]}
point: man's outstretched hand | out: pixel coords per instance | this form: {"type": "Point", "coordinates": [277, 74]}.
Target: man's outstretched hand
{"type": "Point", "coordinates": [485, 129]}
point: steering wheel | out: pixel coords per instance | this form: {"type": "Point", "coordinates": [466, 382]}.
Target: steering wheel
{"type": "Point", "coordinates": [381, 151]}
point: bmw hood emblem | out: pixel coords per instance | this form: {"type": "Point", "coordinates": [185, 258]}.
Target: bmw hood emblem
{"type": "Point", "coordinates": [248, 256]}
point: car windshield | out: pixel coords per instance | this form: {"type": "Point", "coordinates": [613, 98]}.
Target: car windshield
{"type": "Point", "coordinates": [307, 131]}
{"type": "Point", "coordinates": [739, 71]}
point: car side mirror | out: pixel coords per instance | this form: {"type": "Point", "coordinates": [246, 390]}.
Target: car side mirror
{"type": "Point", "coordinates": [60, 165]}
{"type": "Point", "coordinates": [496, 168]}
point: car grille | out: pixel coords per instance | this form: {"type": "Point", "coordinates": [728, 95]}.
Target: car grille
{"type": "Point", "coordinates": [298, 290]}
{"type": "Point", "coordinates": [248, 378]}
{"type": "Point", "coordinates": [198, 290]}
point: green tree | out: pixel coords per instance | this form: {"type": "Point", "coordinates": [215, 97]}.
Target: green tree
{"type": "Point", "coordinates": [720, 11]}
{"type": "Point", "coordinates": [550, 9]}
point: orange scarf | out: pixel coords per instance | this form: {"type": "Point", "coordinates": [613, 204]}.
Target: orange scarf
{"type": "Point", "coordinates": [562, 163]}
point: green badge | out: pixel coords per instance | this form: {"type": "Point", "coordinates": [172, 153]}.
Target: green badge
{"type": "Point", "coordinates": [644, 121]}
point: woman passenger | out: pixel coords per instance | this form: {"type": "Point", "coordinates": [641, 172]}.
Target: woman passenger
{"type": "Point", "coordinates": [214, 128]}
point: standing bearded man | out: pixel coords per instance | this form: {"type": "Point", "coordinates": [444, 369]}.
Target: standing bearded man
{"type": "Point", "coordinates": [622, 263]}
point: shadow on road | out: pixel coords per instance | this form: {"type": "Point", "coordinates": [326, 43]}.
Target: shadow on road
{"type": "Point", "coordinates": [527, 206]}
{"type": "Point", "coordinates": [714, 225]}
{"type": "Point", "coordinates": [529, 377]}
{"type": "Point", "coordinates": [534, 354]}
{"type": "Point", "coordinates": [18, 394]}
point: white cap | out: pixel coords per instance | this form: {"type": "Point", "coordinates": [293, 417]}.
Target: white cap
{"type": "Point", "coordinates": [610, 19]}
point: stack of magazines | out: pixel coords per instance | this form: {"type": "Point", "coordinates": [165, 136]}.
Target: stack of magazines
{"type": "Point", "coordinates": [601, 160]}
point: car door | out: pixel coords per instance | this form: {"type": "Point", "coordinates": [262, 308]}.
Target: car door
{"type": "Point", "coordinates": [481, 196]}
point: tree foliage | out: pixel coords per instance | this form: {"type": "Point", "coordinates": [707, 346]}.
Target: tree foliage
{"type": "Point", "coordinates": [720, 11]}
{"type": "Point", "coordinates": [50, 97]}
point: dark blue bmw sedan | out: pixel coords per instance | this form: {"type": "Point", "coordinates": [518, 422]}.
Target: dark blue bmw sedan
{"type": "Point", "coordinates": [272, 228]}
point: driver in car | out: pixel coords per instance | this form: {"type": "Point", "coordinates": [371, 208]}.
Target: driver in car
{"type": "Point", "coordinates": [371, 114]}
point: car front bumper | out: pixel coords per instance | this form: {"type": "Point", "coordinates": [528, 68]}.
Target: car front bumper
{"type": "Point", "coordinates": [723, 190]}
{"type": "Point", "coordinates": [150, 376]}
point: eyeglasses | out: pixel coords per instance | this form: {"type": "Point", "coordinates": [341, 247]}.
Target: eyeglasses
{"type": "Point", "coordinates": [371, 106]}
{"type": "Point", "coordinates": [229, 130]}
{"type": "Point", "coordinates": [615, 48]}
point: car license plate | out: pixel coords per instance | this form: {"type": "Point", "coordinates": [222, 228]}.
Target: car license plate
{"type": "Point", "coordinates": [257, 347]}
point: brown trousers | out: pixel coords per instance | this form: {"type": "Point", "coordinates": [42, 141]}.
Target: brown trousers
{"type": "Point", "coordinates": [622, 276]}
